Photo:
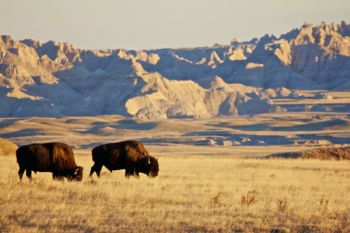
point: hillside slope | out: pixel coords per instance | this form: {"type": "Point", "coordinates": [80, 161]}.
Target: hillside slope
{"type": "Point", "coordinates": [57, 79]}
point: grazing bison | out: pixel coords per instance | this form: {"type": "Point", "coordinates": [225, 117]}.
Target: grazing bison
{"type": "Point", "coordinates": [129, 155]}
{"type": "Point", "coordinates": [54, 157]}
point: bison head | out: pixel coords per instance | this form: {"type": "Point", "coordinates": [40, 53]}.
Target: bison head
{"type": "Point", "coordinates": [76, 174]}
{"type": "Point", "coordinates": [154, 166]}
{"type": "Point", "coordinates": [149, 165]}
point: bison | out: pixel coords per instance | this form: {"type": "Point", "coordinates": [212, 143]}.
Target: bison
{"type": "Point", "coordinates": [54, 157]}
{"type": "Point", "coordinates": [129, 155]}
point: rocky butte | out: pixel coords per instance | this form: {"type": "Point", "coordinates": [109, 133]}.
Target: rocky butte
{"type": "Point", "coordinates": [56, 79]}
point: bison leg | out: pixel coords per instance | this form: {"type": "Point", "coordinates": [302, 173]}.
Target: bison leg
{"type": "Point", "coordinates": [20, 173]}
{"type": "Point", "coordinates": [57, 177]}
{"type": "Point", "coordinates": [130, 169]}
{"type": "Point", "coordinates": [29, 173]}
{"type": "Point", "coordinates": [136, 173]}
{"type": "Point", "coordinates": [96, 168]}
{"type": "Point", "coordinates": [128, 173]}
{"type": "Point", "coordinates": [131, 172]}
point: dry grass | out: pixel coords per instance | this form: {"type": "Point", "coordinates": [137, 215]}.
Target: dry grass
{"type": "Point", "coordinates": [7, 147]}
{"type": "Point", "coordinates": [325, 153]}
{"type": "Point", "coordinates": [192, 194]}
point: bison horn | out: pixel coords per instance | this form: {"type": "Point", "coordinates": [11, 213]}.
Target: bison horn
{"type": "Point", "coordinates": [78, 170]}
{"type": "Point", "coordinates": [149, 160]}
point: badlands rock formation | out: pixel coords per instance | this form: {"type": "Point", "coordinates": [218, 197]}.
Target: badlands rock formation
{"type": "Point", "coordinates": [57, 79]}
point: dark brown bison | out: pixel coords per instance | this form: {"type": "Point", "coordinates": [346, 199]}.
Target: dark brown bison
{"type": "Point", "coordinates": [129, 155]}
{"type": "Point", "coordinates": [54, 157]}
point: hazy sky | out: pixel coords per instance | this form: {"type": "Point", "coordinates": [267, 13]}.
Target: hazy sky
{"type": "Point", "coordinates": [137, 24]}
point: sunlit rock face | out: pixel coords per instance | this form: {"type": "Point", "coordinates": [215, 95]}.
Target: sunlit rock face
{"type": "Point", "coordinates": [57, 79]}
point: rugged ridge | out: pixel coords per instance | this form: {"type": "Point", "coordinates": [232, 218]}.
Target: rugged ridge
{"type": "Point", "coordinates": [56, 79]}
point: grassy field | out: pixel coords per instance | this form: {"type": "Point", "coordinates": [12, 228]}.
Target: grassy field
{"type": "Point", "coordinates": [191, 194]}
{"type": "Point", "coordinates": [201, 187]}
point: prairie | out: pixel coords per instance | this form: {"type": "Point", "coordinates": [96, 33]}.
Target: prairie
{"type": "Point", "coordinates": [191, 194]}
{"type": "Point", "coordinates": [212, 176]}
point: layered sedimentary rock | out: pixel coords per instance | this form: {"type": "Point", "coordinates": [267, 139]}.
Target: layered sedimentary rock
{"type": "Point", "coordinates": [55, 79]}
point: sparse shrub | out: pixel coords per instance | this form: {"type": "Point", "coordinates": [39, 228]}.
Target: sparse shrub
{"type": "Point", "coordinates": [216, 199]}
{"type": "Point", "coordinates": [249, 198]}
{"type": "Point", "coordinates": [324, 204]}
{"type": "Point", "coordinates": [282, 205]}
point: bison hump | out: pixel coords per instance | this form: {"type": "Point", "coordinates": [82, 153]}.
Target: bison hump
{"type": "Point", "coordinates": [135, 150]}
{"type": "Point", "coordinates": [63, 158]}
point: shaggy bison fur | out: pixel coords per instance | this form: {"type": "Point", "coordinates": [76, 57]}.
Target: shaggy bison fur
{"type": "Point", "coordinates": [129, 155]}
{"type": "Point", "coordinates": [54, 157]}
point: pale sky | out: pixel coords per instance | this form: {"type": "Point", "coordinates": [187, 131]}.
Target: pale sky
{"type": "Point", "coordinates": [146, 24]}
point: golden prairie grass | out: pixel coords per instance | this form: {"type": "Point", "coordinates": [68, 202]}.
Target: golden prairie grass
{"type": "Point", "coordinates": [7, 147]}
{"type": "Point", "coordinates": [191, 194]}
